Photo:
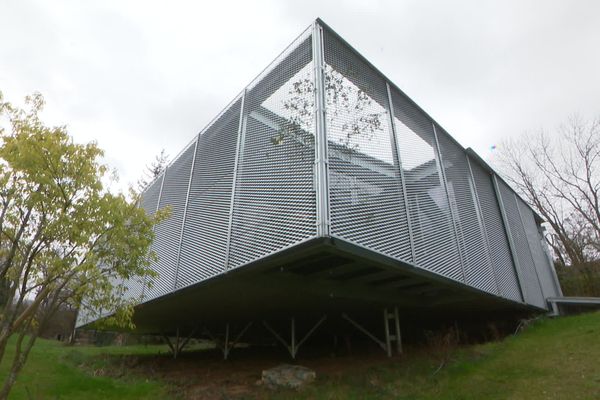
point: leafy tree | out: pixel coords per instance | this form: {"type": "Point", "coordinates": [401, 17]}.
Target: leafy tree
{"type": "Point", "coordinates": [63, 236]}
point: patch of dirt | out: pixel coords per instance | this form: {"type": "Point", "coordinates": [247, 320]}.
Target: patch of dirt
{"type": "Point", "coordinates": [205, 375]}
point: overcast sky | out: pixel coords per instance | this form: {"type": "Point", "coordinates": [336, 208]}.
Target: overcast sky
{"type": "Point", "coordinates": [139, 76]}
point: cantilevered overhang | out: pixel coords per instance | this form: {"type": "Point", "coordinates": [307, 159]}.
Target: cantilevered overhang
{"type": "Point", "coordinates": [319, 276]}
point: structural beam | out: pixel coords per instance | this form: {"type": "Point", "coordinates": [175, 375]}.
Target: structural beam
{"type": "Point", "coordinates": [511, 243]}
{"type": "Point", "coordinates": [451, 200]}
{"type": "Point", "coordinates": [239, 152]}
{"type": "Point", "coordinates": [294, 345]}
{"type": "Point", "coordinates": [480, 220]}
{"type": "Point", "coordinates": [396, 147]}
{"type": "Point", "coordinates": [185, 208]}
{"type": "Point", "coordinates": [321, 173]}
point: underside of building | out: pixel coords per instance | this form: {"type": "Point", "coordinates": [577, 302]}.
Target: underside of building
{"type": "Point", "coordinates": [322, 190]}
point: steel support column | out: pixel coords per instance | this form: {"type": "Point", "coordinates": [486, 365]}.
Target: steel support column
{"type": "Point", "coordinates": [321, 168]}
{"type": "Point", "coordinates": [529, 247]}
{"type": "Point", "coordinates": [451, 200]}
{"type": "Point", "coordinates": [396, 147]}
{"type": "Point", "coordinates": [482, 227]}
{"type": "Point", "coordinates": [185, 208]}
{"type": "Point", "coordinates": [239, 151]}
{"type": "Point", "coordinates": [294, 345]}
{"type": "Point", "coordinates": [511, 242]}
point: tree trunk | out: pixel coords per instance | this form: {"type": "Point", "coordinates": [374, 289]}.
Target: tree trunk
{"type": "Point", "coordinates": [18, 363]}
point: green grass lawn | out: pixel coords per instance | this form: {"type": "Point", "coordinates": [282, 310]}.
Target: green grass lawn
{"type": "Point", "coordinates": [553, 359]}
{"type": "Point", "coordinates": [53, 372]}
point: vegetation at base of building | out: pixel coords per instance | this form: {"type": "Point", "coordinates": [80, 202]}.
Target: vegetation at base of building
{"type": "Point", "coordinates": [580, 280]}
{"type": "Point", "coordinates": [550, 359]}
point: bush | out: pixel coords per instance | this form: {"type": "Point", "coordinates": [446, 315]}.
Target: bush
{"type": "Point", "coordinates": [580, 280]}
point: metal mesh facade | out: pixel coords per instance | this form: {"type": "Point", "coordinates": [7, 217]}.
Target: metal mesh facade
{"type": "Point", "coordinates": [433, 237]}
{"type": "Point", "coordinates": [274, 202]}
{"type": "Point", "coordinates": [322, 144]}
{"type": "Point", "coordinates": [497, 241]}
{"type": "Point", "coordinates": [206, 228]}
{"type": "Point", "coordinates": [468, 224]}
{"type": "Point", "coordinates": [365, 189]}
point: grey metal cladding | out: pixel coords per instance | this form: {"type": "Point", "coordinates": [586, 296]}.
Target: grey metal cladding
{"type": "Point", "coordinates": [366, 199]}
{"type": "Point", "coordinates": [149, 202]}
{"type": "Point", "coordinates": [502, 262]}
{"type": "Point", "coordinates": [434, 240]}
{"type": "Point", "coordinates": [476, 258]}
{"type": "Point", "coordinates": [540, 259]}
{"type": "Point", "coordinates": [275, 203]}
{"type": "Point", "coordinates": [150, 196]}
{"type": "Point", "coordinates": [204, 240]}
{"type": "Point", "coordinates": [531, 287]}
{"type": "Point", "coordinates": [166, 242]}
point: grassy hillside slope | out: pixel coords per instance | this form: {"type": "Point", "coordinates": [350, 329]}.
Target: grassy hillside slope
{"type": "Point", "coordinates": [552, 359]}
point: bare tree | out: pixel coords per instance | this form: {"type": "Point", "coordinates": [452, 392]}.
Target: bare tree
{"type": "Point", "coordinates": [559, 175]}
{"type": "Point", "coordinates": [153, 170]}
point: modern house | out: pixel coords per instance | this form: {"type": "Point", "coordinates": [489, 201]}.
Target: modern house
{"type": "Point", "coordinates": [322, 189]}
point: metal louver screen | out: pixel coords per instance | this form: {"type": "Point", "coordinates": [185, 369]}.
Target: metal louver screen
{"type": "Point", "coordinates": [476, 258]}
{"type": "Point", "coordinates": [365, 190]}
{"type": "Point", "coordinates": [502, 262]}
{"type": "Point", "coordinates": [168, 232]}
{"type": "Point", "coordinates": [539, 257]}
{"type": "Point", "coordinates": [433, 236]}
{"type": "Point", "coordinates": [149, 202]}
{"type": "Point", "coordinates": [274, 203]}
{"type": "Point", "coordinates": [531, 287]}
{"type": "Point", "coordinates": [204, 241]}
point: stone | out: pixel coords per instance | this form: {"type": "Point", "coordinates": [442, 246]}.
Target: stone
{"type": "Point", "coordinates": [288, 376]}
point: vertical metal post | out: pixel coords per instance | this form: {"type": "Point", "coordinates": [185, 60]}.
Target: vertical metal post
{"type": "Point", "coordinates": [226, 346]}
{"type": "Point", "coordinates": [398, 332]}
{"type": "Point", "coordinates": [529, 247]}
{"type": "Point", "coordinates": [185, 208]}
{"type": "Point", "coordinates": [511, 242]}
{"type": "Point", "coordinates": [176, 352]}
{"type": "Point", "coordinates": [293, 339]}
{"type": "Point", "coordinates": [239, 151]}
{"type": "Point", "coordinates": [321, 157]}
{"type": "Point", "coordinates": [396, 147]}
{"type": "Point", "coordinates": [481, 221]}
{"type": "Point", "coordinates": [443, 181]}
{"type": "Point", "coordinates": [162, 182]}
{"type": "Point", "coordinates": [388, 340]}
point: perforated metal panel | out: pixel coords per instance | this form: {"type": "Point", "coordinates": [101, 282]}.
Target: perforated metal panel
{"type": "Point", "coordinates": [528, 277]}
{"type": "Point", "coordinates": [204, 242]}
{"type": "Point", "coordinates": [174, 191]}
{"type": "Point", "coordinates": [476, 258]}
{"type": "Point", "coordinates": [366, 199]}
{"type": "Point", "coordinates": [274, 204]}
{"type": "Point", "coordinates": [149, 202]}
{"type": "Point", "coordinates": [503, 265]}
{"type": "Point", "coordinates": [540, 259]}
{"type": "Point", "coordinates": [434, 240]}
